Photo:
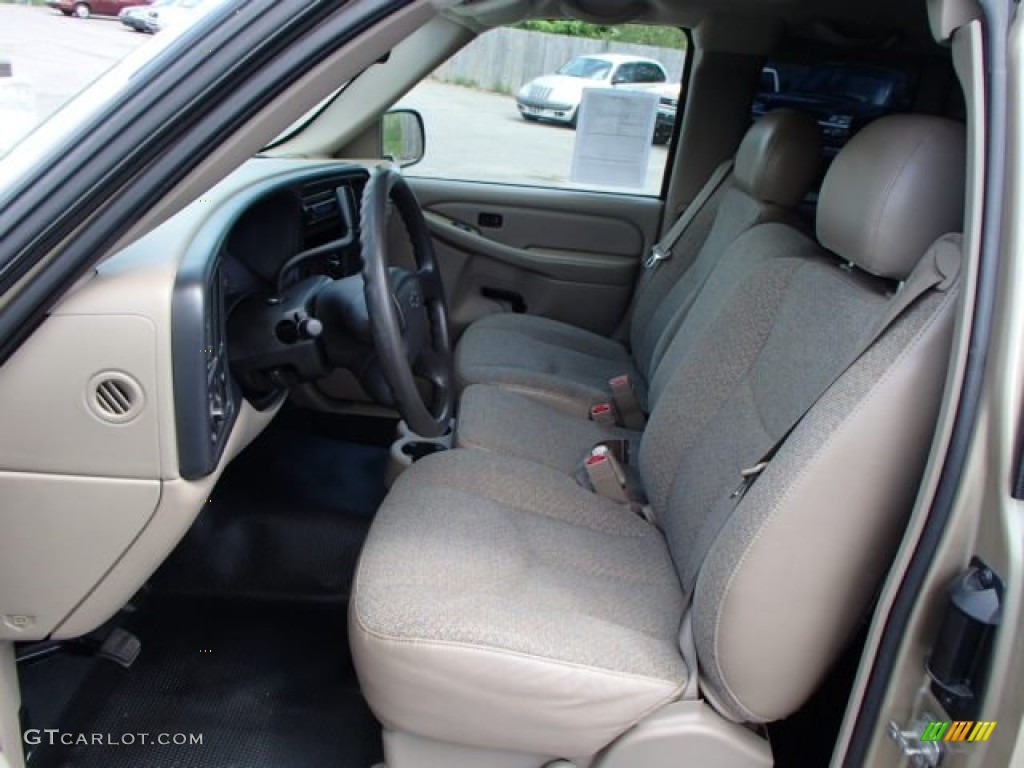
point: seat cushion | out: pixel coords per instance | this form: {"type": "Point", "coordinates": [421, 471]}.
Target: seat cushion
{"type": "Point", "coordinates": [543, 358]}
{"type": "Point", "coordinates": [512, 424]}
{"type": "Point", "coordinates": [497, 604]}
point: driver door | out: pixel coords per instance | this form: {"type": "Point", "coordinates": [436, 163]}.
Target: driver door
{"type": "Point", "coordinates": [514, 229]}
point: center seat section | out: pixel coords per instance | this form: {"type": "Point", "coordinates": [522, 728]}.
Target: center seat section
{"type": "Point", "coordinates": [696, 367]}
{"type": "Point", "coordinates": [776, 164]}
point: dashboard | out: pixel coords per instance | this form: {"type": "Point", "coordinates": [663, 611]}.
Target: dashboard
{"type": "Point", "coordinates": [272, 235]}
{"type": "Point", "coordinates": [125, 406]}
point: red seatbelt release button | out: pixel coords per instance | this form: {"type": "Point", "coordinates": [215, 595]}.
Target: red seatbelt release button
{"type": "Point", "coordinates": [602, 413]}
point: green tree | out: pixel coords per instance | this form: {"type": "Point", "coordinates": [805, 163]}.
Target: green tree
{"type": "Point", "coordinates": [639, 34]}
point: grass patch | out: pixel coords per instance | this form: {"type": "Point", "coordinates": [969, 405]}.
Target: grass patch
{"type": "Point", "coordinates": [637, 34]}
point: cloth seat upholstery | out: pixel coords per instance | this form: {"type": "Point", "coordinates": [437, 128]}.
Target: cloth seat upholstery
{"type": "Point", "coordinates": [500, 605]}
{"type": "Point", "coordinates": [565, 605]}
{"type": "Point", "coordinates": [776, 164]}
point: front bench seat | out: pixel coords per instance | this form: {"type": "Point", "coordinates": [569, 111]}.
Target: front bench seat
{"type": "Point", "coordinates": [777, 162]}
{"type": "Point", "coordinates": [500, 606]}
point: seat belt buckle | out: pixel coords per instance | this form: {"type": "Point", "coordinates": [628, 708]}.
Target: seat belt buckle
{"type": "Point", "coordinates": [606, 475]}
{"type": "Point", "coordinates": [618, 447]}
{"type": "Point", "coordinates": [656, 256]}
{"type": "Point", "coordinates": [627, 405]}
{"type": "Point", "coordinates": [602, 413]}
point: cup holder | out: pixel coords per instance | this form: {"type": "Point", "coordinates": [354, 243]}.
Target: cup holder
{"type": "Point", "coordinates": [409, 448]}
{"type": "Point", "coordinates": [405, 433]}
{"type": "Point", "coordinates": [418, 450]}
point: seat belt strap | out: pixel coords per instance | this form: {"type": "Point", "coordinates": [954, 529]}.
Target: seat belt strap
{"type": "Point", "coordinates": [665, 247]}
{"type": "Point", "coordinates": [938, 270]}
{"type": "Point", "coordinates": [662, 250]}
{"type": "Point", "coordinates": [688, 648]}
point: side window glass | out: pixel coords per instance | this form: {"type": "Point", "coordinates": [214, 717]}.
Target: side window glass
{"type": "Point", "coordinates": [627, 73]}
{"type": "Point", "coordinates": [505, 108]}
{"type": "Point", "coordinates": [844, 96]}
{"type": "Point", "coordinates": [650, 73]}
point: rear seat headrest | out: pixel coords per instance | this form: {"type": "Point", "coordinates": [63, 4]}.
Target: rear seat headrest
{"type": "Point", "coordinates": [780, 157]}
{"type": "Point", "coordinates": [892, 191]}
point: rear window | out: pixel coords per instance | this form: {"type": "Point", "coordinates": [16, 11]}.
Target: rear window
{"type": "Point", "coordinates": [844, 96]}
{"type": "Point", "coordinates": [588, 69]}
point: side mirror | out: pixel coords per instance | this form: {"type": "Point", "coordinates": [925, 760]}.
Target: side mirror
{"type": "Point", "coordinates": [403, 137]}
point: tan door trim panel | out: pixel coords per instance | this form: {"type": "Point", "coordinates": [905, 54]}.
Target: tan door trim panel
{"type": "Point", "coordinates": [569, 266]}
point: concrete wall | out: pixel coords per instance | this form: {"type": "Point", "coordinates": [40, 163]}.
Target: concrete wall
{"type": "Point", "coordinates": [504, 59]}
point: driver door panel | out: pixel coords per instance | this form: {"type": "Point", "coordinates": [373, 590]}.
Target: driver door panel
{"type": "Point", "coordinates": [564, 254]}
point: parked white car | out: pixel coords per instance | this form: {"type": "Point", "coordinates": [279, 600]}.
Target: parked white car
{"type": "Point", "coordinates": [557, 97]}
{"type": "Point", "coordinates": [136, 16]}
{"type": "Point", "coordinates": [172, 15]}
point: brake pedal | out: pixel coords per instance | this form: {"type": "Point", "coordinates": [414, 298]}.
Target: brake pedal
{"type": "Point", "coordinates": [120, 647]}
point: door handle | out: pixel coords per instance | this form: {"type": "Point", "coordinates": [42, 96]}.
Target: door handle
{"type": "Point", "coordinates": [513, 299]}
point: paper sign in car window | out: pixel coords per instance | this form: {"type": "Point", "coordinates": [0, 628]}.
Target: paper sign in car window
{"type": "Point", "coordinates": [613, 137]}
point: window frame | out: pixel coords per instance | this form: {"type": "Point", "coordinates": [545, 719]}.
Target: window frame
{"type": "Point", "coordinates": [667, 170]}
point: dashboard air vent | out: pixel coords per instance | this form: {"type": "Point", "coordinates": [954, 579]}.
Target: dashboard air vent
{"type": "Point", "coordinates": [115, 397]}
{"type": "Point", "coordinates": [321, 211]}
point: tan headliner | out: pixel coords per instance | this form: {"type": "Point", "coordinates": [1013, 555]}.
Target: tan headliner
{"type": "Point", "coordinates": [802, 18]}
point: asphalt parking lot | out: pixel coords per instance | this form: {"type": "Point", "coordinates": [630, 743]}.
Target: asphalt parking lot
{"type": "Point", "coordinates": [58, 56]}
{"type": "Point", "coordinates": [471, 134]}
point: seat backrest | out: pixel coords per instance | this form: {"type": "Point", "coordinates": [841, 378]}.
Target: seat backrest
{"type": "Point", "coordinates": [777, 163]}
{"type": "Point", "coordinates": [789, 575]}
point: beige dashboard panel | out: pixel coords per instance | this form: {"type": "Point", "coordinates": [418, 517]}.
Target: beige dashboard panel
{"type": "Point", "coordinates": [180, 503]}
{"type": "Point", "coordinates": [61, 534]}
{"type": "Point", "coordinates": [81, 398]}
{"type": "Point", "coordinates": [75, 549]}
{"type": "Point", "coordinates": [92, 501]}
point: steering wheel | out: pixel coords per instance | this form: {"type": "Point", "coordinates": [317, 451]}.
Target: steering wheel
{"type": "Point", "coordinates": [407, 310]}
{"type": "Point", "coordinates": [388, 326]}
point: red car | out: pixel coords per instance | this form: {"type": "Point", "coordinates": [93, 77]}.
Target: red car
{"type": "Point", "coordinates": [83, 9]}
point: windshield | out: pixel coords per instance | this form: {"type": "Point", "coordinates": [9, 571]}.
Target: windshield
{"type": "Point", "coordinates": [50, 53]}
{"type": "Point", "coordinates": [586, 68]}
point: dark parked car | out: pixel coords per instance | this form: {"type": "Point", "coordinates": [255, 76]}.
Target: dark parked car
{"type": "Point", "coordinates": [845, 97]}
{"type": "Point", "coordinates": [83, 9]}
{"type": "Point", "coordinates": [666, 121]}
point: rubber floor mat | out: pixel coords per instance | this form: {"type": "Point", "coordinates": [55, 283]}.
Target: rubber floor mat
{"type": "Point", "coordinates": [286, 521]}
{"type": "Point", "coordinates": [263, 685]}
